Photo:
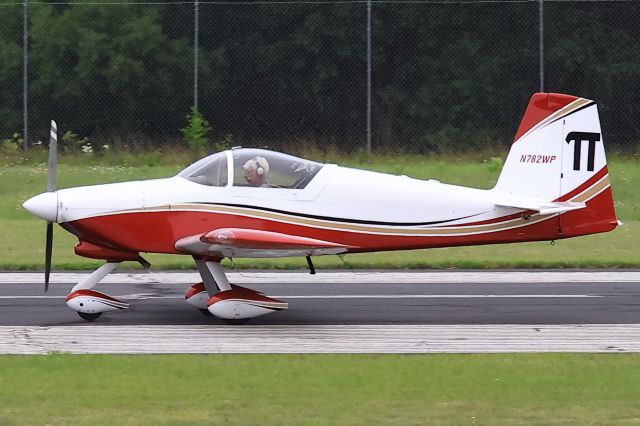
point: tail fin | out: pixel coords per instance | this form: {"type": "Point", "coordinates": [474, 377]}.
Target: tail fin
{"type": "Point", "coordinates": [557, 162]}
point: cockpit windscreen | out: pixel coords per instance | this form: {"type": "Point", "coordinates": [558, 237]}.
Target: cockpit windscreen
{"type": "Point", "coordinates": [211, 170]}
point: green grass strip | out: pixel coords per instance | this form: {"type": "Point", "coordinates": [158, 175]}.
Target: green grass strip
{"type": "Point", "coordinates": [496, 389]}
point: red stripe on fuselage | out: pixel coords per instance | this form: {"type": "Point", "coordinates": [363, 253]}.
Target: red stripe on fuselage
{"type": "Point", "coordinates": [158, 231]}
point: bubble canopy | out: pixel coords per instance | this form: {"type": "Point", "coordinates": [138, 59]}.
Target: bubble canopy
{"type": "Point", "coordinates": [211, 170]}
{"type": "Point", "coordinates": [277, 170]}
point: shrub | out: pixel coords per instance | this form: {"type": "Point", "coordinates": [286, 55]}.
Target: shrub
{"type": "Point", "coordinates": [196, 131]}
{"type": "Point", "coordinates": [12, 144]}
{"type": "Point", "coordinates": [71, 142]}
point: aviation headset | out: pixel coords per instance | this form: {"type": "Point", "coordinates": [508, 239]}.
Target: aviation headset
{"type": "Point", "coordinates": [259, 167]}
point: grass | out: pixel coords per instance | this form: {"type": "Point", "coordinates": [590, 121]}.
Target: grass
{"type": "Point", "coordinates": [22, 245]}
{"type": "Point", "coordinates": [579, 389]}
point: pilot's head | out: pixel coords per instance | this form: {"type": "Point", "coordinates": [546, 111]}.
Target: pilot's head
{"type": "Point", "coordinates": [255, 171]}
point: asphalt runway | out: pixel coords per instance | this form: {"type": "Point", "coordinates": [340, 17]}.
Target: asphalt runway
{"type": "Point", "coordinates": [350, 298]}
{"type": "Point", "coordinates": [370, 312]}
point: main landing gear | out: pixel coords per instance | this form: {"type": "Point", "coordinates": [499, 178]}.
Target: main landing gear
{"type": "Point", "coordinates": [213, 296]}
{"type": "Point", "coordinates": [232, 303]}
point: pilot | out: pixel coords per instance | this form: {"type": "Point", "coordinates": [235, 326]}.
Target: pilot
{"type": "Point", "coordinates": [256, 171]}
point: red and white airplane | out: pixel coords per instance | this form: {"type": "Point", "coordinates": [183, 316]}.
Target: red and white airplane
{"type": "Point", "coordinates": [258, 203]}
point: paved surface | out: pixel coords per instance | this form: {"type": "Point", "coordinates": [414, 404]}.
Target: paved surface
{"type": "Point", "coordinates": [596, 311]}
{"type": "Point", "coordinates": [320, 339]}
{"type": "Point", "coordinates": [349, 298]}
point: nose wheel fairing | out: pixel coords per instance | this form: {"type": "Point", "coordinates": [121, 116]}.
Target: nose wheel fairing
{"type": "Point", "coordinates": [90, 304]}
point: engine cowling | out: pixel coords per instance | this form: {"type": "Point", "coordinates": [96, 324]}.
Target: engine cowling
{"type": "Point", "coordinates": [93, 302]}
{"type": "Point", "coordinates": [243, 303]}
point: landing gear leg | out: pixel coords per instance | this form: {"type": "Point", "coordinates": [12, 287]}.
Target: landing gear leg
{"type": "Point", "coordinates": [213, 281]}
{"type": "Point", "coordinates": [213, 276]}
{"type": "Point", "coordinates": [90, 304]}
{"type": "Point", "coordinates": [95, 277]}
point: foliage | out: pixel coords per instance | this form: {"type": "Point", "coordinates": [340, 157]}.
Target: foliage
{"type": "Point", "coordinates": [152, 159]}
{"type": "Point", "coordinates": [13, 144]}
{"type": "Point", "coordinates": [196, 131]}
{"type": "Point", "coordinates": [101, 68]}
{"type": "Point", "coordinates": [71, 142]}
{"type": "Point", "coordinates": [449, 139]}
{"type": "Point", "coordinates": [494, 164]}
{"type": "Point", "coordinates": [225, 143]}
{"type": "Point", "coordinates": [274, 72]}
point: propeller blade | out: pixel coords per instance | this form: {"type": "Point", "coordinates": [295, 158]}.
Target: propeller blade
{"type": "Point", "coordinates": [51, 186]}
{"type": "Point", "coordinates": [53, 158]}
{"type": "Point", "coordinates": [47, 255]}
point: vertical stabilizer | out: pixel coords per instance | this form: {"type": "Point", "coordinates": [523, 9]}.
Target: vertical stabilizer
{"type": "Point", "coordinates": [558, 156]}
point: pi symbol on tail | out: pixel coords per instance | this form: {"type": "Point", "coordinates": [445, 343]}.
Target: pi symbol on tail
{"type": "Point", "coordinates": [578, 137]}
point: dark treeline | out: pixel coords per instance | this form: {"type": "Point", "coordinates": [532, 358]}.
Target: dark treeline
{"type": "Point", "coordinates": [445, 76]}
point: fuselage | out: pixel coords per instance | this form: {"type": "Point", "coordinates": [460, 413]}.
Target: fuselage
{"type": "Point", "coordinates": [363, 210]}
{"type": "Point", "coordinates": [367, 210]}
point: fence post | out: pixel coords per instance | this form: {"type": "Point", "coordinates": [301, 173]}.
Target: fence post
{"type": "Point", "coordinates": [541, 42]}
{"type": "Point", "coordinates": [369, 77]}
{"type": "Point", "coordinates": [25, 82]}
{"type": "Point", "coordinates": [195, 54]}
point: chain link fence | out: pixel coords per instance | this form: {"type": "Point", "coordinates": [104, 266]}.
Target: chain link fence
{"type": "Point", "coordinates": [447, 76]}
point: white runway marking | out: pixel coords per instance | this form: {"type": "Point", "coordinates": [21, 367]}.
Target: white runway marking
{"type": "Point", "coordinates": [94, 339]}
{"type": "Point", "coordinates": [359, 296]}
{"type": "Point", "coordinates": [440, 296]}
{"type": "Point", "coordinates": [433, 277]}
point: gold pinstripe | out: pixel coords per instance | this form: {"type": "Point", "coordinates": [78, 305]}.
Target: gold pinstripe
{"type": "Point", "coordinates": [592, 191]}
{"type": "Point", "coordinates": [566, 110]}
{"type": "Point", "coordinates": [318, 223]}
{"type": "Point", "coordinates": [587, 194]}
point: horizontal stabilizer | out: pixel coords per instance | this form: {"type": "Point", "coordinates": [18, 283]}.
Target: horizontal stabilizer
{"type": "Point", "coordinates": [543, 208]}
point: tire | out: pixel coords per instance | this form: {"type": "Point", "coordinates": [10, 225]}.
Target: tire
{"type": "Point", "coordinates": [236, 321]}
{"type": "Point", "coordinates": [89, 317]}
